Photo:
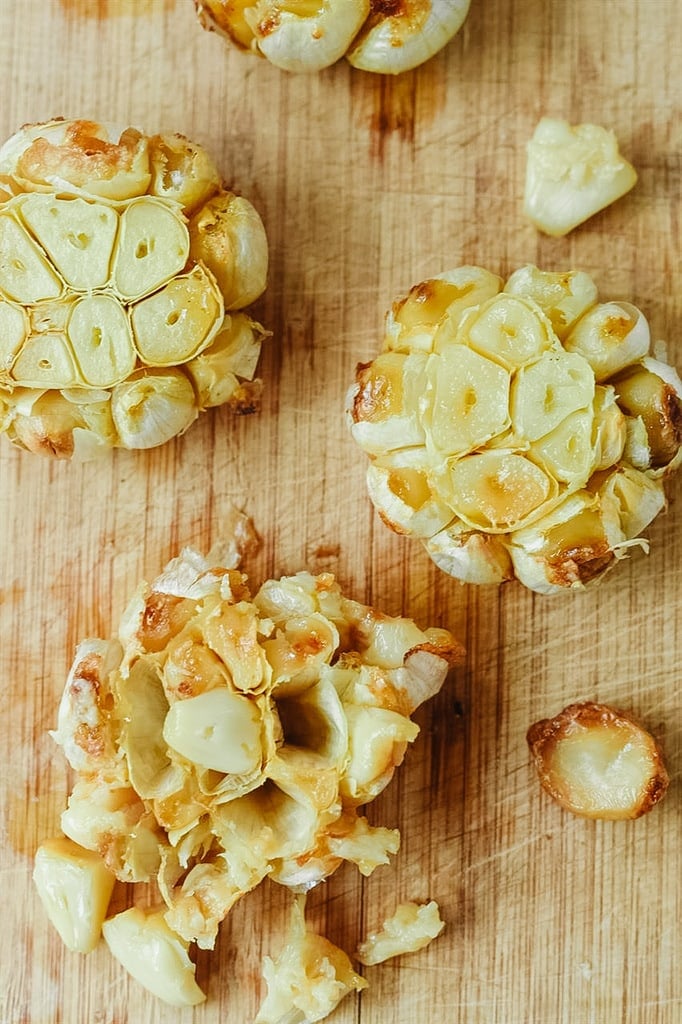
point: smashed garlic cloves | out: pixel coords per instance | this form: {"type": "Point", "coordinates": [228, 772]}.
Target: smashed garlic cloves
{"type": "Point", "coordinates": [119, 256]}
{"type": "Point", "coordinates": [597, 762]}
{"type": "Point", "coordinates": [519, 430]}
{"type": "Point", "coordinates": [222, 737]}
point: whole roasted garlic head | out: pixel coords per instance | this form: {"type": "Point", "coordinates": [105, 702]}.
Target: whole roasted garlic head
{"type": "Point", "coordinates": [519, 430]}
{"type": "Point", "coordinates": [125, 270]}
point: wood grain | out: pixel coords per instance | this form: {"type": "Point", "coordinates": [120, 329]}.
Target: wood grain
{"type": "Point", "coordinates": [367, 186]}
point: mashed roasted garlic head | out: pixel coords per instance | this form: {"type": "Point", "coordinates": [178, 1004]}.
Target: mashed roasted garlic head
{"type": "Point", "coordinates": [125, 270]}
{"type": "Point", "coordinates": [519, 429]}
{"type": "Point", "coordinates": [223, 737]}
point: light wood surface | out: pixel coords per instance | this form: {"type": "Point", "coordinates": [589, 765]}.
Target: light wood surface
{"type": "Point", "coordinates": [367, 186]}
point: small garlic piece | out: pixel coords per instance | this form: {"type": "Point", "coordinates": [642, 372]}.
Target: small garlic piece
{"type": "Point", "coordinates": [401, 36]}
{"type": "Point", "coordinates": [572, 172]}
{"type": "Point", "coordinates": [75, 888]}
{"type": "Point", "coordinates": [154, 955]}
{"type": "Point", "coordinates": [412, 927]}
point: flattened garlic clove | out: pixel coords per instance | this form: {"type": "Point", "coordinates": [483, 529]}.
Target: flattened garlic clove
{"type": "Point", "coordinates": [305, 35]}
{"type": "Point", "coordinates": [403, 35]}
{"type": "Point", "coordinates": [597, 762]}
{"type": "Point", "coordinates": [154, 955]}
{"type": "Point", "coordinates": [75, 888]}
{"type": "Point", "coordinates": [571, 174]}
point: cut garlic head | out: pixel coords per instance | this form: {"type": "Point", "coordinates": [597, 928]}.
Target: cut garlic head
{"type": "Point", "coordinates": [572, 172]}
{"type": "Point", "coordinates": [309, 35]}
{"type": "Point", "coordinates": [119, 255]}
{"type": "Point", "coordinates": [496, 416]}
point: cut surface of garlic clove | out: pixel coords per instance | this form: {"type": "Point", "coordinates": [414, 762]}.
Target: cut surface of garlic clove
{"type": "Point", "coordinates": [497, 490]}
{"type": "Point", "coordinates": [46, 361]}
{"type": "Point", "coordinates": [75, 888]}
{"type": "Point", "coordinates": [25, 274]}
{"type": "Point", "coordinates": [400, 36]}
{"type": "Point", "coordinates": [217, 729]}
{"type": "Point", "coordinates": [178, 321]}
{"type": "Point", "coordinates": [152, 247]}
{"type": "Point", "coordinates": [563, 298]}
{"type": "Point", "coordinates": [14, 326]}
{"type": "Point", "coordinates": [154, 955]}
{"type": "Point", "coordinates": [101, 340]}
{"type": "Point", "coordinates": [509, 330]}
{"type": "Point", "coordinates": [572, 172]}
{"type": "Point", "coordinates": [598, 762]}
{"type": "Point", "coordinates": [305, 35]}
{"type": "Point", "coordinates": [78, 236]}
{"type": "Point", "coordinates": [548, 391]}
{"type": "Point", "coordinates": [182, 172]}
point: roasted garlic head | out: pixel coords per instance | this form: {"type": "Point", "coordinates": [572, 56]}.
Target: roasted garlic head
{"type": "Point", "coordinates": [383, 36]}
{"type": "Point", "coordinates": [125, 270]}
{"type": "Point", "coordinates": [223, 737]}
{"type": "Point", "coordinates": [519, 430]}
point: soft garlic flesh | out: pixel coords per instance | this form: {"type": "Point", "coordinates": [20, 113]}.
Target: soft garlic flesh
{"type": "Point", "coordinates": [124, 272]}
{"type": "Point", "coordinates": [222, 737]}
{"type": "Point", "coordinates": [519, 429]}
{"type": "Point", "coordinates": [382, 36]}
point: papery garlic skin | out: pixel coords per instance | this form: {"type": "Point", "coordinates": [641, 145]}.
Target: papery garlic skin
{"type": "Point", "coordinates": [310, 35]}
{"type": "Point", "coordinates": [223, 737]}
{"type": "Point", "coordinates": [519, 429]}
{"type": "Point", "coordinates": [121, 253]}
{"type": "Point", "coordinates": [572, 172]}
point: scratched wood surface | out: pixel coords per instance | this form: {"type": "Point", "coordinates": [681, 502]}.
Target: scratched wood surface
{"type": "Point", "coordinates": [367, 186]}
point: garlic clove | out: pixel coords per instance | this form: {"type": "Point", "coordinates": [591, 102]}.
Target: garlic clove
{"type": "Point", "coordinates": [152, 246]}
{"type": "Point", "coordinates": [151, 406]}
{"type": "Point", "coordinates": [227, 235]}
{"type": "Point", "coordinates": [182, 172]}
{"type": "Point", "coordinates": [571, 174]}
{"type": "Point", "coordinates": [305, 35]}
{"type": "Point", "coordinates": [562, 297]}
{"type": "Point", "coordinates": [550, 389]}
{"type": "Point", "coordinates": [101, 340]}
{"type": "Point", "coordinates": [610, 336]}
{"type": "Point", "coordinates": [25, 274]}
{"type": "Point", "coordinates": [217, 729]}
{"type": "Point", "coordinates": [176, 322]}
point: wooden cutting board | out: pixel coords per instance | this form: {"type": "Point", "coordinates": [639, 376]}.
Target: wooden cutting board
{"type": "Point", "coordinates": [366, 186]}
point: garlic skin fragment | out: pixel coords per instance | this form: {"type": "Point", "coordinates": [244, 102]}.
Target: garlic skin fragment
{"type": "Point", "coordinates": [518, 429]}
{"type": "Point", "coordinates": [410, 34]}
{"type": "Point", "coordinates": [411, 928]}
{"type": "Point", "coordinates": [154, 955]}
{"type": "Point", "coordinates": [75, 888]}
{"type": "Point", "coordinates": [572, 172]}
{"type": "Point", "coordinates": [119, 256]}
{"type": "Point", "coordinates": [597, 762]}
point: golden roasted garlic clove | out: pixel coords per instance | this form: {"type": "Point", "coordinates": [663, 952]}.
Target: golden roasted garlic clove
{"type": "Point", "coordinates": [401, 36]}
{"type": "Point", "coordinates": [227, 235]}
{"type": "Point", "coordinates": [217, 729]}
{"type": "Point", "coordinates": [154, 955]}
{"type": "Point", "coordinates": [572, 172]}
{"type": "Point", "coordinates": [598, 762]}
{"type": "Point", "coordinates": [151, 407]}
{"type": "Point", "coordinates": [75, 888]}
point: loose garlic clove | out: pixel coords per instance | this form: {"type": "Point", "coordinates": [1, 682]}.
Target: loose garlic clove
{"type": "Point", "coordinates": [305, 35]}
{"type": "Point", "coordinates": [408, 35]}
{"type": "Point", "coordinates": [571, 174]}
{"type": "Point", "coordinates": [218, 729]}
{"type": "Point", "coordinates": [598, 763]}
{"type": "Point", "coordinates": [75, 888]}
{"type": "Point", "coordinates": [154, 955]}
